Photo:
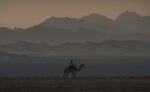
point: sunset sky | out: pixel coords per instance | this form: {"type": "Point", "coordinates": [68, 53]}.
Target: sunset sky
{"type": "Point", "coordinates": [25, 13]}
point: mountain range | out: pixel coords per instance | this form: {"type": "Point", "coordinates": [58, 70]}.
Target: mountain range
{"type": "Point", "coordinates": [93, 27]}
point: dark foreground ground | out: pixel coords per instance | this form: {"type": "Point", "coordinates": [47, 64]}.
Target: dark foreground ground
{"type": "Point", "coordinates": [77, 85]}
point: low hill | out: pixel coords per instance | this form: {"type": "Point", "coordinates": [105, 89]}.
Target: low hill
{"type": "Point", "coordinates": [108, 47]}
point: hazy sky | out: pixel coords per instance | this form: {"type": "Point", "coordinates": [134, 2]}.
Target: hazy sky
{"type": "Point", "coordinates": [25, 13]}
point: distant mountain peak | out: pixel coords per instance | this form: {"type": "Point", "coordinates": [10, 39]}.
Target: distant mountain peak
{"type": "Point", "coordinates": [95, 18]}
{"type": "Point", "coordinates": [129, 14]}
{"type": "Point", "coordinates": [94, 15]}
{"type": "Point", "coordinates": [60, 23]}
{"type": "Point", "coordinates": [59, 19]}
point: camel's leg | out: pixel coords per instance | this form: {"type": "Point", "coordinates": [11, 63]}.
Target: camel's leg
{"type": "Point", "coordinates": [65, 76]}
{"type": "Point", "coordinates": [74, 75]}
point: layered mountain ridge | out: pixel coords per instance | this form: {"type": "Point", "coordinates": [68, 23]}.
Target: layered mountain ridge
{"type": "Point", "coordinates": [93, 27]}
{"type": "Point", "coordinates": [109, 47]}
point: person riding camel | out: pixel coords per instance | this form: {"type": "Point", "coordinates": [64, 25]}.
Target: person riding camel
{"type": "Point", "coordinates": [72, 69]}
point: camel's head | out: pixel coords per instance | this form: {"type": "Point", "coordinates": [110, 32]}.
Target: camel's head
{"type": "Point", "coordinates": [82, 65]}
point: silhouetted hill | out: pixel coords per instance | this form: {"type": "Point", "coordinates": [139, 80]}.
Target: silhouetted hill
{"type": "Point", "coordinates": [61, 23]}
{"type": "Point", "coordinates": [93, 27]}
{"type": "Point", "coordinates": [133, 22]}
{"type": "Point", "coordinates": [12, 59]}
{"type": "Point", "coordinates": [96, 18]}
{"type": "Point", "coordinates": [26, 48]}
{"type": "Point", "coordinates": [109, 47]}
{"type": "Point", "coordinates": [4, 54]}
{"type": "Point", "coordinates": [128, 15]}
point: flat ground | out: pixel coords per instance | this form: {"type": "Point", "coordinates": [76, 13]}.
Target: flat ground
{"type": "Point", "coordinates": [77, 85]}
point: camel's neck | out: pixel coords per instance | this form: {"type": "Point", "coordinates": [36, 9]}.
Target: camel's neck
{"type": "Point", "coordinates": [80, 68]}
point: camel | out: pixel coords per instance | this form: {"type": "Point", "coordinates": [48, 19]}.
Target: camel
{"type": "Point", "coordinates": [72, 69]}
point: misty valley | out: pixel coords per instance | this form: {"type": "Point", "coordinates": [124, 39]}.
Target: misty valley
{"type": "Point", "coordinates": [74, 45]}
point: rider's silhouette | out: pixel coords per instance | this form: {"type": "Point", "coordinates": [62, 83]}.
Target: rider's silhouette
{"type": "Point", "coordinates": [72, 66]}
